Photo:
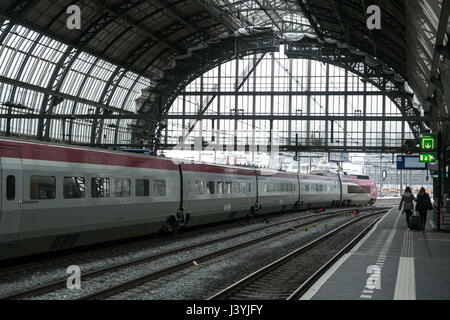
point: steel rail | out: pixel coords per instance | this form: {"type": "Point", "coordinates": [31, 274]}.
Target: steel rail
{"type": "Point", "coordinates": [296, 295]}
{"type": "Point", "coordinates": [61, 284]}
{"type": "Point", "coordinates": [138, 281]}
{"type": "Point", "coordinates": [250, 279]}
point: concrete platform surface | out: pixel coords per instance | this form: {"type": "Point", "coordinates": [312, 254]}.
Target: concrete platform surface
{"type": "Point", "coordinates": [390, 263]}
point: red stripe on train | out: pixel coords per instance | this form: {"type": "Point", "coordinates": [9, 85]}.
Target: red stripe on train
{"type": "Point", "coordinates": [74, 155]}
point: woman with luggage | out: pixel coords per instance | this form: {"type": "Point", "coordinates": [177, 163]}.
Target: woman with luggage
{"type": "Point", "coordinates": [408, 205]}
{"type": "Point", "coordinates": [423, 204]}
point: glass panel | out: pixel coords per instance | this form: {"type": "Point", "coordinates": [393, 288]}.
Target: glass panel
{"type": "Point", "coordinates": [100, 187]}
{"type": "Point", "coordinates": [122, 187]}
{"type": "Point", "coordinates": [42, 187]}
{"type": "Point", "coordinates": [142, 188]}
{"type": "Point", "coordinates": [10, 187]}
{"type": "Point", "coordinates": [74, 187]}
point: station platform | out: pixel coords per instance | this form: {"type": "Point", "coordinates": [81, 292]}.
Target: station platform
{"type": "Point", "coordinates": [390, 263]}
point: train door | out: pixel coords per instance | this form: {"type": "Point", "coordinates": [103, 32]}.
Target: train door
{"type": "Point", "coordinates": [11, 194]}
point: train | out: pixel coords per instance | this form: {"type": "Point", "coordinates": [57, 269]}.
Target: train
{"type": "Point", "coordinates": [57, 196]}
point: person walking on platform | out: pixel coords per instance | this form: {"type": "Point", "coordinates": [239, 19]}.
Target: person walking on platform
{"type": "Point", "coordinates": [407, 202]}
{"type": "Point", "coordinates": [423, 204]}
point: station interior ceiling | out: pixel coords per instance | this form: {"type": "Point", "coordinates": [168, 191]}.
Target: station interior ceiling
{"type": "Point", "coordinates": [306, 75]}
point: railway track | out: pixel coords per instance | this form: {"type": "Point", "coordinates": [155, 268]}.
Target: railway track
{"type": "Point", "coordinates": [152, 276]}
{"type": "Point", "coordinates": [277, 280]}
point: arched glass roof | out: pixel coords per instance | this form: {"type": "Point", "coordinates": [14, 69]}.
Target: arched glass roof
{"type": "Point", "coordinates": [31, 60]}
{"type": "Point", "coordinates": [283, 95]}
{"type": "Point", "coordinates": [130, 45]}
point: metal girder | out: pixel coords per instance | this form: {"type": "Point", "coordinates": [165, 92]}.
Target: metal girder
{"type": "Point", "coordinates": [175, 80]}
{"type": "Point", "coordinates": [230, 22]}
{"type": "Point", "coordinates": [390, 46]}
{"type": "Point", "coordinates": [382, 77]}
{"type": "Point", "coordinates": [245, 75]}
{"type": "Point", "coordinates": [282, 93]}
{"type": "Point", "coordinates": [269, 14]}
{"type": "Point", "coordinates": [105, 98]}
{"type": "Point", "coordinates": [337, 5]}
{"type": "Point", "coordinates": [62, 68]}
{"type": "Point", "coordinates": [175, 15]}
{"type": "Point", "coordinates": [122, 15]}
{"type": "Point", "coordinates": [80, 89]}
{"type": "Point", "coordinates": [262, 148]}
{"type": "Point", "coordinates": [312, 21]}
{"type": "Point", "coordinates": [116, 131]}
{"type": "Point", "coordinates": [61, 95]}
{"type": "Point", "coordinates": [344, 58]}
{"type": "Point", "coordinates": [19, 73]}
{"type": "Point", "coordinates": [55, 83]}
{"type": "Point", "coordinates": [225, 117]}
{"type": "Point", "coordinates": [440, 36]}
{"type": "Point", "coordinates": [72, 53]}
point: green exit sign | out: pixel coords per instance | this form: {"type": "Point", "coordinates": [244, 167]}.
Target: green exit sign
{"type": "Point", "coordinates": [427, 157]}
{"type": "Point", "coordinates": [428, 143]}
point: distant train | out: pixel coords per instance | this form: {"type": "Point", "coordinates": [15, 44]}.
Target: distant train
{"type": "Point", "coordinates": [56, 197]}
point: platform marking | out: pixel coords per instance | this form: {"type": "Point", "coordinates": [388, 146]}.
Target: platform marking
{"type": "Point", "coordinates": [443, 240]}
{"type": "Point", "coordinates": [327, 275]}
{"type": "Point", "coordinates": [374, 281]}
{"type": "Point", "coordinates": [405, 287]}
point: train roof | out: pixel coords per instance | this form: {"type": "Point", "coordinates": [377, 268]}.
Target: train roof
{"type": "Point", "coordinates": [79, 154]}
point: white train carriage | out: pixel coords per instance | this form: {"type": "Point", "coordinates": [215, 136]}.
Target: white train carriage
{"type": "Point", "coordinates": [216, 193]}
{"type": "Point", "coordinates": [319, 191]}
{"type": "Point", "coordinates": [60, 197]}
{"type": "Point", "coordinates": [56, 197]}
{"type": "Point", "coordinates": [277, 191]}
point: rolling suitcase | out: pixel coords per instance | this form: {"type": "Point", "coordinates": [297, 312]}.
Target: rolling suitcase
{"type": "Point", "coordinates": [415, 221]}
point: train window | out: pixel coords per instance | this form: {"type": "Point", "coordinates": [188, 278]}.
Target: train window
{"type": "Point", "coordinates": [283, 188]}
{"type": "Point", "coordinates": [356, 189]}
{"type": "Point", "coordinates": [249, 187]}
{"type": "Point", "coordinates": [236, 187]}
{"type": "Point", "coordinates": [100, 187]}
{"type": "Point", "coordinates": [142, 188]}
{"type": "Point", "coordinates": [159, 188]}
{"type": "Point", "coordinates": [42, 187]}
{"type": "Point", "coordinates": [122, 187]}
{"type": "Point", "coordinates": [228, 187]}
{"type": "Point", "coordinates": [74, 187]}
{"type": "Point", "coordinates": [10, 187]}
{"type": "Point", "coordinates": [200, 187]}
{"type": "Point", "coordinates": [220, 187]}
{"type": "Point", "coordinates": [210, 187]}
{"type": "Point", "coordinates": [244, 187]}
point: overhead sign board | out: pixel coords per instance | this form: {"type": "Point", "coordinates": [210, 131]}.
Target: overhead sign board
{"type": "Point", "coordinates": [428, 143]}
{"type": "Point", "coordinates": [340, 157]}
{"type": "Point", "coordinates": [410, 163]}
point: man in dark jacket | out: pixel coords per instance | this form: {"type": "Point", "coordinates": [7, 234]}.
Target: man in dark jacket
{"type": "Point", "coordinates": [423, 204]}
